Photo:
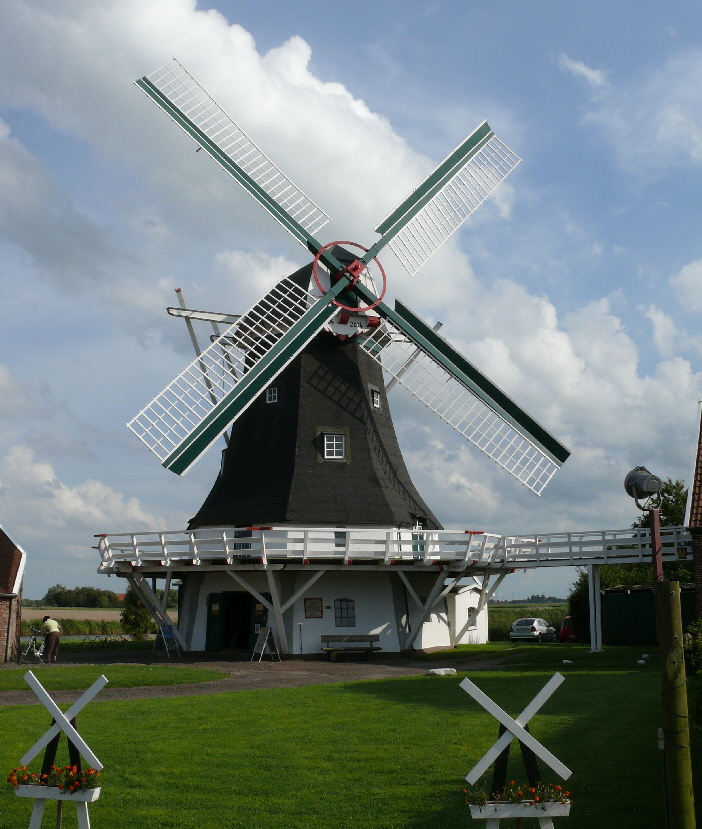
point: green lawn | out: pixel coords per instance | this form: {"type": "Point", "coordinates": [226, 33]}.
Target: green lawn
{"type": "Point", "coordinates": [59, 678]}
{"type": "Point", "coordinates": [383, 754]}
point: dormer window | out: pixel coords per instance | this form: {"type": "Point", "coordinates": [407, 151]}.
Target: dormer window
{"type": "Point", "coordinates": [272, 394]}
{"type": "Point", "coordinates": [334, 447]}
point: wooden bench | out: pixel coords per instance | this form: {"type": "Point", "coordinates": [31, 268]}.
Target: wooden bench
{"type": "Point", "coordinates": [339, 645]}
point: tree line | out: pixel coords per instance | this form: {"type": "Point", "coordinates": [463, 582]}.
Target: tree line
{"type": "Point", "coordinates": [94, 597]}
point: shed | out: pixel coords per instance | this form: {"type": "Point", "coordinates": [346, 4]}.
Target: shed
{"type": "Point", "coordinates": [629, 613]}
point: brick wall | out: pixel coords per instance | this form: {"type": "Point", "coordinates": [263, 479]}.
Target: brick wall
{"type": "Point", "coordinates": [10, 617]}
{"type": "Point", "coordinates": [697, 567]}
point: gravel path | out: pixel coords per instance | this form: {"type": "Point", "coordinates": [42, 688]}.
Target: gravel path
{"type": "Point", "coordinates": [246, 676]}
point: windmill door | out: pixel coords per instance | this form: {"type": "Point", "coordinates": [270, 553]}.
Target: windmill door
{"type": "Point", "coordinates": [233, 620]}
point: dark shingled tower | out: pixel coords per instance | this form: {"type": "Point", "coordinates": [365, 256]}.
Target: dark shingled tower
{"type": "Point", "coordinates": [274, 471]}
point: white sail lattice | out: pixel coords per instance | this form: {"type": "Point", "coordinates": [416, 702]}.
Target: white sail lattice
{"type": "Point", "coordinates": [458, 406]}
{"type": "Point", "coordinates": [185, 93]}
{"type": "Point", "coordinates": [424, 234]}
{"type": "Point", "coordinates": [173, 414]}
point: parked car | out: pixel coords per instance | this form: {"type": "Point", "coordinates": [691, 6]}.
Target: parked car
{"type": "Point", "coordinates": [536, 630]}
{"type": "Point", "coordinates": [566, 633]}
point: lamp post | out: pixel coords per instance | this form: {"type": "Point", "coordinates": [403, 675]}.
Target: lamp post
{"type": "Point", "coordinates": [641, 485]}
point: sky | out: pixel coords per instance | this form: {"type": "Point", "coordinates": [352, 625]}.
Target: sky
{"type": "Point", "coordinates": [577, 287]}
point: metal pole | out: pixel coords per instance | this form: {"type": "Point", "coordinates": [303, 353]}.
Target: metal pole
{"type": "Point", "coordinates": [676, 731]}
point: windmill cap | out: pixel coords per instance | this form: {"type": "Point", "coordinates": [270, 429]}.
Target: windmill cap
{"type": "Point", "coordinates": [640, 483]}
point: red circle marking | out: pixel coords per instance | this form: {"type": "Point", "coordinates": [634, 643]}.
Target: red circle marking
{"type": "Point", "coordinates": [355, 279]}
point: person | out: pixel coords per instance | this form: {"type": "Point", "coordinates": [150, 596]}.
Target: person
{"type": "Point", "coordinates": [52, 629]}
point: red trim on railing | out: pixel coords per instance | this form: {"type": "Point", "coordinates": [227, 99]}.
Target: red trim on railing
{"type": "Point", "coordinates": [474, 532]}
{"type": "Point", "coordinates": [259, 528]}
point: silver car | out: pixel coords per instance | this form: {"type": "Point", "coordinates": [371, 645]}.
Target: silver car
{"type": "Point", "coordinates": [536, 630]}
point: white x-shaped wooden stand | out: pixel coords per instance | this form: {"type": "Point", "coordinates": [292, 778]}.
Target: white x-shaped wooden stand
{"type": "Point", "coordinates": [62, 724]}
{"type": "Point", "coordinates": [515, 729]}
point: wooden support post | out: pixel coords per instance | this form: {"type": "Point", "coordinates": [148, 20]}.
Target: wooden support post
{"type": "Point", "coordinates": [434, 597]}
{"type": "Point", "coordinates": [676, 731]}
{"type": "Point", "coordinates": [274, 587]}
{"type": "Point", "coordinates": [595, 601]}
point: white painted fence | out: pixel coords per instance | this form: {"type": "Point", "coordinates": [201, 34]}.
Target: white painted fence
{"type": "Point", "coordinates": [338, 546]}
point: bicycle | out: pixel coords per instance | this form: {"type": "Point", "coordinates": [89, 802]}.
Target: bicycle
{"type": "Point", "coordinates": [31, 650]}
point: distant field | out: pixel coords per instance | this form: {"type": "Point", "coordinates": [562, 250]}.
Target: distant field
{"type": "Point", "coordinates": [94, 613]}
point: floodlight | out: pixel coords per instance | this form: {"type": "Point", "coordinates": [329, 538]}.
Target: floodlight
{"type": "Point", "coordinates": [642, 484]}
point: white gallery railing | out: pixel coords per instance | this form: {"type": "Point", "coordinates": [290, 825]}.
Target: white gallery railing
{"type": "Point", "coordinates": [226, 545]}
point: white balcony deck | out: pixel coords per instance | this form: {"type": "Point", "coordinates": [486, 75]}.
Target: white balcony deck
{"type": "Point", "coordinates": [325, 547]}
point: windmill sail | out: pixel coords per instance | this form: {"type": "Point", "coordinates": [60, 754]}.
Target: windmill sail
{"type": "Point", "coordinates": [464, 398]}
{"type": "Point", "coordinates": [195, 408]}
{"type": "Point", "coordinates": [436, 209]}
{"type": "Point", "coordinates": [201, 117]}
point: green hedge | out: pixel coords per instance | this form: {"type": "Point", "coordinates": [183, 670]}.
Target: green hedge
{"type": "Point", "coordinates": [75, 627]}
{"type": "Point", "coordinates": [501, 617]}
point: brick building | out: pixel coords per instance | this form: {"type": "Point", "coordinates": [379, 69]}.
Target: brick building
{"type": "Point", "coordinates": [12, 561]}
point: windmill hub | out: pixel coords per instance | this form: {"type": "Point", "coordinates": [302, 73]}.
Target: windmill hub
{"type": "Point", "coordinates": [356, 270]}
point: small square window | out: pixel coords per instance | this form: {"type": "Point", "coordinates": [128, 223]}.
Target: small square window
{"type": "Point", "coordinates": [375, 398]}
{"type": "Point", "coordinates": [334, 447]}
{"type": "Point", "coordinates": [272, 395]}
{"type": "Point", "coordinates": [345, 613]}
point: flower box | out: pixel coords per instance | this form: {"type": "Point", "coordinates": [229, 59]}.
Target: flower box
{"type": "Point", "coordinates": [494, 810]}
{"type": "Point", "coordinates": [54, 793]}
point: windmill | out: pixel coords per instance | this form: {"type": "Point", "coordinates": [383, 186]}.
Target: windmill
{"type": "Point", "coordinates": [319, 344]}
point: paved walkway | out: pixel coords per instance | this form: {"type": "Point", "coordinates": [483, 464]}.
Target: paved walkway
{"type": "Point", "coordinates": [247, 676]}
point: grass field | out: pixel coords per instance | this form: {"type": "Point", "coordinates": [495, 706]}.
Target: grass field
{"type": "Point", "coordinates": [385, 754]}
{"type": "Point", "coordinates": [57, 678]}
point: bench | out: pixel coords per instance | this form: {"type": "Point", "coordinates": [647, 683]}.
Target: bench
{"type": "Point", "coordinates": [336, 643]}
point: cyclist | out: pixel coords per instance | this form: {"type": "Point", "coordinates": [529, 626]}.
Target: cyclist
{"type": "Point", "coordinates": [52, 629]}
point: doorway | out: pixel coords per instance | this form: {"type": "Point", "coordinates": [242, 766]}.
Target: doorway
{"type": "Point", "coordinates": [233, 620]}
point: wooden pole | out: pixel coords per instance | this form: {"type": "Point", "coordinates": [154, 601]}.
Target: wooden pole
{"type": "Point", "coordinates": [654, 517]}
{"type": "Point", "coordinates": [676, 731]}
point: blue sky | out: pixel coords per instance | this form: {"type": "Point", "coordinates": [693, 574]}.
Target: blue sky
{"type": "Point", "coordinates": [577, 288]}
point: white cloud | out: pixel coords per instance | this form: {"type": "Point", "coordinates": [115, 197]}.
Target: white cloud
{"type": "Point", "coordinates": [37, 217]}
{"type": "Point", "coordinates": [665, 333]}
{"type": "Point", "coordinates": [580, 377]}
{"type": "Point", "coordinates": [15, 401]}
{"type": "Point", "coordinates": [653, 121]}
{"type": "Point", "coordinates": [31, 492]}
{"type": "Point", "coordinates": [687, 285]}
{"type": "Point", "coordinates": [596, 78]}
{"type": "Point", "coordinates": [240, 279]}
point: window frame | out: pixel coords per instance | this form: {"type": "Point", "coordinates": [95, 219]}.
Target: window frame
{"type": "Point", "coordinates": [345, 614]}
{"type": "Point", "coordinates": [331, 442]}
{"type": "Point", "coordinates": [323, 433]}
